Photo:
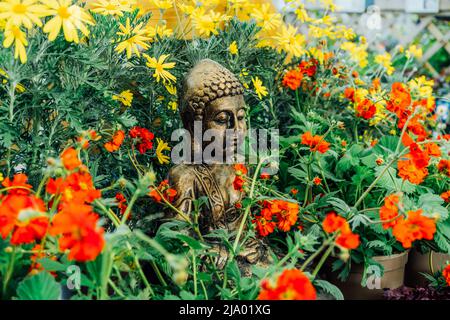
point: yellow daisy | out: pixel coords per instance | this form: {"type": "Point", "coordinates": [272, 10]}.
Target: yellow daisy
{"type": "Point", "coordinates": [126, 97]}
{"type": "Point", "coordinates": [260, 90]}
{"type": "Point", "coordinates": [160, 68]}
{"type": "Point", "coordinates": [233, 48]}
{"type": "Point", "coordinates": [13, 34]}
{"type": "Point", "coordinates": [160, 148]}
{"type": "Point", "coordinates": [110, 7]}
{"type": "Point", "coordinates": [290, 41]}
{"type": "Point", "coordinates": [134, 38]}
{"type": "Point", "coordinates": [163, 4]}
{"type": "Point", "coordinates": [266, 18]}
{"type": "Point", "coordinates": [22, 12]}
{"type": "Point", "coordinates": [69, 17]}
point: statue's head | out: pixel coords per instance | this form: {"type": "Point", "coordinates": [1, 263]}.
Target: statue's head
{"type": "Point", "coordinates": [213, 95]}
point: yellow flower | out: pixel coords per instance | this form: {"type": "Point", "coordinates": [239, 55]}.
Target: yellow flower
{"type": "Point", "coordinates": [160, 68]}
{"type": "Point", "coordinates": [1, 177]}
{"type": "Point", "coordinates": [110, 7]}
{"type": "Point", "coordinates": [163, 4]}
{"type": "Point", "coordinates": [266, 18]}
{"type": "Point", "coordinates": [134, 38]}
{"type": "Point", "coordinates": [357, 53]}
{"type": "Point", "coordinates": [385, 61]}
{"type": "Point", "coordinates": [421, 87]}
{"type": "Point", "coordinates": [160, 148]}
{"type": "Point", "coordinates": [171, 89]}
{"type": "Point", "coordinates": [159, 30]}
{"type": "Point", "coordinates": [207, 24]}
{"type": "Point", "coordinates": [233, 48]}
{"type": "Point", "coordinates": [414, 51]}
{"type": "Point", "coordinates": [302, 14]}
{"type": "Point", "coordinates": [260, 90]}
{"type": "Point", "coordinates": [18, 12]}
{"type": "Point", "coordinates": [318, 54]}
{"type": "Point", "coordinates": [126, 97]}
{"type": "Point", "coordinates": [13, 34]}
{"type": "Point", "coordinates": [290, 41]}
{"type": "Point", "coordinates": [68, 16]}
{"type": "Point", "coordinates": [173, 105]}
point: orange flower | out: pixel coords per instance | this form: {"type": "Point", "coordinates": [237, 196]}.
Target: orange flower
{"type": "Point", "coordinates": [446, 196]}
{"type": "Point", "coordinates": [365, 109]}
{"type": "Point", "coordinates": [263, 222]}
{"type": "Point", "coordinates": [420, 157]}
{"type": "Point", "coordinates": [77, 187]}
{"type": "Point", "coordinates": [346, 238]}
{"type": "Point", "coordinates": [286, 213]}
{"type": "Point", "coordinates": [292, 79]}
{"type": "Point", "coordinates": [264, 176]}
{"type": "Point", "coordinates": [168, 193]}
{"type": "Point", "coordinates": [444, 166]}
{"type": "Point", "coordinates": [18, 185]}
{"type": "Point", "coordinates": [69, 158]}
{"type": "Point", "coordinates": [76, 225]}
{"type": "Point", "coordinates": [400, 99]}
{"type": "Point", "coordinates": [446, 274]}
{"type": "Point", "coordinates": [308, 68]}
{"type": "Point", "coordinates": [316, 143]}
{"type": "Point", "coordinates": [433, 149]}
{"type": "Point", "coordinates": [143, 138]}
{"type": "Point", "coordinates": [389, 211]}
{"type": "Point", "coordinates": [415, 227]}
{"type": "Point", "coordinates": [294, 191]}
{"type": "Point", "coordinates": [290, 285]}
{"type": "Point", "coordinates": [407, 170]}
{"type": "Point", "coordinates": [349, 93]}
{"type": "Point", "coordinates": [333, 222]}
{"type": "Point", "coordinates": [24, 217]}
{"type": "Point", "coordinates": [239, 181]}
{"type": "Point", "coordinates": [85, 138]}
{"type": "Point", "coordinates": [317, 181]}
{"type": "Point", "coordinates": [116, 141]}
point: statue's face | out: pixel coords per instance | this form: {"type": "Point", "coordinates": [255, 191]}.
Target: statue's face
{"type": "Point", "coordinates": [227, 113]}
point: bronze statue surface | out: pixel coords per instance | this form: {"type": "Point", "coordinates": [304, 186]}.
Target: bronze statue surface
{"type": "Point", "coordinates": [213, 96]}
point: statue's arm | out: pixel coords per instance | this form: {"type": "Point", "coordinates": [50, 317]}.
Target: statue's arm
{"type": "Point", "coordinates": [183, 181]}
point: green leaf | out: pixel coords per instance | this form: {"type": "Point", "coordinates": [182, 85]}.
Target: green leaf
{"type": "Point", "coordinates": [330, 289]}
{"type": "Point", "coordinates": [50, 265]}
{"type": "Point", "coordinates": [390, 182]}
{"type": "Point", "coordinates": [41, 286]}
{"type": "Point", "coordinates": [340, 205]}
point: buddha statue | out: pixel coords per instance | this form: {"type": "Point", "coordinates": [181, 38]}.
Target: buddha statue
{"type": "Point", "coordinates": [213, 96]}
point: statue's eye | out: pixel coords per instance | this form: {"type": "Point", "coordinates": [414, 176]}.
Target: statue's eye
{"type": "Point", "coordinates": [222, 119]}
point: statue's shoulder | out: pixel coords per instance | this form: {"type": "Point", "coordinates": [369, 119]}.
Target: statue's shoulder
{"type": "Point", "coordinates": [181, 174]}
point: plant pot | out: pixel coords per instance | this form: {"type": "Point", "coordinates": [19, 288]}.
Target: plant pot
{"type": "Point", "coordinates": [420, 262]}
{"type": "Point", "coordinates": [394, 272]}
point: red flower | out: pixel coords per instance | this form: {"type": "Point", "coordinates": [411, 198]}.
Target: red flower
{"type": "Point", "coordinates": [286, 213]}
{"type": "Point", "coordinates": [69, 158]}
{"type": "Point", "coordinates": [365, 109]}
{"type": "Point", "coordinates": [308, 67]}
{"type": "Point", "coordinates": [346, 238]}
{"type": "Point", "coordinates": [446, 274]}
{"type": "Point", "coordinates": [163, 189]}
{"type": "Point", "coordinates": [400, 99]}
{"type": "Point", "coordinates": [76, 225]}
{"type": "Point", "coordinates": [290, 285]}
{"type": "Point", "coordinates": [292, 79]}
{"type": "Point", "coordinates": [264, 176]}
{"type": "Point", "coordinates": [121, 203]}
{"type": "Point", "coordinates": [115, 142]}
{"type": "Point", "coordinates": [317, 181]}
{"type": "Point", "coordinates": [415, 227]}
{"type": "Point", "coordinates": [239, 181]}
{"type": "Point", "coordinates": [143, 138]}
{"type": "Point", "coordinates": [408, 170]}
{"type": "Point", "coordinates": [316, 143]}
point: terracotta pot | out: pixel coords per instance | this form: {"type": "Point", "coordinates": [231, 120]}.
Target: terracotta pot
{"type": "Point", "coordinates": [394, 271]}
{"type": "Point", "coordinates": [420, 262]}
